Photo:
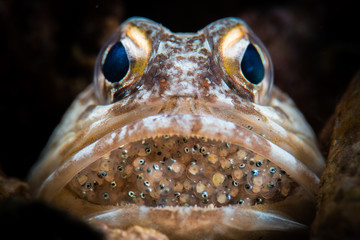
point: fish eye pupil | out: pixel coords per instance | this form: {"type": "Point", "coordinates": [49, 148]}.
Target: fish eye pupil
{"type": "Point", "coordinates": [116, 63]}
{"type": "Point", "coordinates": [251, 65]}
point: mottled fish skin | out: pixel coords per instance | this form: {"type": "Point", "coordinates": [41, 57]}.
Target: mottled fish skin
{"type": "Point", "coordinates": [189, 85]}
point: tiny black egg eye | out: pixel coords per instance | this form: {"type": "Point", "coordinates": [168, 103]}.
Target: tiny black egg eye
{"type": "Point", "coordinates": [116, 63]}
{"type": "Point", "coordinates": [251, 65]}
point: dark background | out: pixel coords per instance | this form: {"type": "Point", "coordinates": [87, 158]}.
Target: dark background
{"type": "Point", "coordinates": [48, 49]}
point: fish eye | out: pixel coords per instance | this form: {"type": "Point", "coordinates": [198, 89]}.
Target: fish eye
{"type": "Point", "coordinates": [121, 62]}
{"type": "Point", "coordinates": [246, 62]}
{"type": "Point", "coordinates": [115, 63]}
{"type": "Point", "coordinates": [252, 66]}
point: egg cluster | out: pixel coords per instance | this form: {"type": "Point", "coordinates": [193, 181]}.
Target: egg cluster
{"type": "Point", "coordinates": [178, 171]}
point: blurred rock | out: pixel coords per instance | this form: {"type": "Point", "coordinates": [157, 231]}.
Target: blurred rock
{"type": "Point", "coordinates": [23, 218]}
{"type": "Point", "coordinates": [338, 215]}
{"type": "Point", "coordinates": [13, 187]}
{"type": "Point", "coordinates": [20, 219]}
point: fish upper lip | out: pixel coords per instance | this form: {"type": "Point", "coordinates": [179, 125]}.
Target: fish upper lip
{"type": "Point", "coordinates": [186, 125]}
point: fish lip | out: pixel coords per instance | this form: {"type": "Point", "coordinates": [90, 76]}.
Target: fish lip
{"type": "Point", "coordinates": [187, 125]}
{"type": "Point", "coordinates": [188, 219]}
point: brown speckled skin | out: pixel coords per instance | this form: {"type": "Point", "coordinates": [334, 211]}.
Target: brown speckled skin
{"type": "Point", "coordinates": [163, 77]}
{"type": "Point", "coordinates": [187, 85]}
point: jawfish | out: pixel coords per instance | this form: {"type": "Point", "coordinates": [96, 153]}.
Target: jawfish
{"type": "Point", "coordinates": [186, 134]}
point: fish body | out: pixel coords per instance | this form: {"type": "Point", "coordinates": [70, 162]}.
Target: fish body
{"type": "Point", "coordinates": [184, 133]}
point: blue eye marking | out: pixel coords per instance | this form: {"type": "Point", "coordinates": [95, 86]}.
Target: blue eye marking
{"type": "Point", "coordinates": [116, 64]}
{"type": "Point", "coordinates": [252, 66]}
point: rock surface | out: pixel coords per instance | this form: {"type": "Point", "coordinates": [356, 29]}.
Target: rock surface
{"type": "Point", "coordinates": [338, 215]}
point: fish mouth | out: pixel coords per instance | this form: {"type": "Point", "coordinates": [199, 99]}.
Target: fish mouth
{"type": "Point", "coordinates": [181, 160]}
{"type": "Point", "coordinates": [182, 171]}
